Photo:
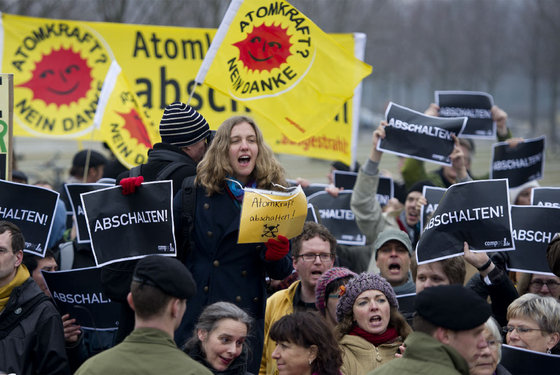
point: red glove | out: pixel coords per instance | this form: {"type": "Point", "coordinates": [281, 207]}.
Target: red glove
{"type": "Point", "coordinates": [277, 249]}
{"type": "Point", "coordinates": [129, 184]}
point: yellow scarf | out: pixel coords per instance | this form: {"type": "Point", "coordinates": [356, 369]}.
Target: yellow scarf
{"type": "Point", "coordinates": [22, 274]}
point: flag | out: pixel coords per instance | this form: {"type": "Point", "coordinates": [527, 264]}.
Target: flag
{"type": "Point", "coordinates": [127, 129]}
{"type": "Point", "coordinates": [278, 63]}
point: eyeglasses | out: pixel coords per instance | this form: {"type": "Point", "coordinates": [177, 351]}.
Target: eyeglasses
{"type": "Point", "coordinates": [550, 284]}
{"type": "Point", "coordinates": [311, 257]}
{"type": "Point", "coordinates": [520, 330]}
{"type": "Point", "coordinates": [493, 343]}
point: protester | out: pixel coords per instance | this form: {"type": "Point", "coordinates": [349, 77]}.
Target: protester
{"type": "Point", "coordinates": [392, 256]}
{"type": "Point", "coordinates": [369, 217]}
{"type": "Point", "coordinates": [442, 272]}
{"type": "Point", "coordinates": [488, 363]}
{"type": "Point", "coordinates": [448, 335]}
{"type": "Point", "coordinates": [370, 327]}
{"type": "Point", "coordinates": [219, 339]}
{"type": "Point", "coordinates": [326, 292]}
{"type": "Point", "coordinates": [521, 195]}
{"type": "Point", "coordinates": [158, 295]}
{"type": "Point", "coordinates": [414, 170]}
{"type": "Point", "coordinates": [543, 285]}
{"type": "Point", "coordinates": [32, 340]}
{"type": "Point", "coordinates": [313, 253]}
{"type": "Point", "coordinates": [184, 137]}
{"type": "Point", "coordinates": [305, 345]}
{"type": "Point", "coordinates": [35, 264]}
{"type": "Point", "coordinates": [225, 270]}
{"type": "Point", "coordinates": [534, 323]}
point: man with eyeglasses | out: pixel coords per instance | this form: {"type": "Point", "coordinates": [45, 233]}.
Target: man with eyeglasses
{"type": "Point", "coordinates": [313, 253]}
{"type": "Point", "coordinates": [545, 285]}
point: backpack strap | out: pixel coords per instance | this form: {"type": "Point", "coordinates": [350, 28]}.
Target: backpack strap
{"type": "Point", "coordinates": [169, 170]}
{"type": "Point", "coordinates": [135, 171]}
{"type": "Point", "coordinates": [188, 195]}
{"type": "Point", "coordinates": [10, 319]}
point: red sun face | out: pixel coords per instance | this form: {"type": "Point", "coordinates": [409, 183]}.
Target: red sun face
{"type": "Point", "coordinates": [61, 77]}
{"type": "Point", "coordinates": [264, 48]}
{"type": "Point", "coordinates": [133, 123]}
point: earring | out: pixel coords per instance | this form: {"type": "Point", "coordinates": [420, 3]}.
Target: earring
{"type": "Point", "coordinates": [548, 351]}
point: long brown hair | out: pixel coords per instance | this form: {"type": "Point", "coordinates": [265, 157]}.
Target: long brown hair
{"type": "Point", "coordinates": [215, 166]}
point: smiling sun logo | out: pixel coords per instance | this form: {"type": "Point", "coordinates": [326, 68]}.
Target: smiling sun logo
{"type": "Point", "coordinates": [134, 125]}
{"type": "Point", "coordinates": [265, 48]}
{"type": "Point", "coordinates": [61, 77]}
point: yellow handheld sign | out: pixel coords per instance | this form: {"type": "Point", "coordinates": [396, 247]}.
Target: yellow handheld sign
{"type": "Point", "coordinates": [266, 214]}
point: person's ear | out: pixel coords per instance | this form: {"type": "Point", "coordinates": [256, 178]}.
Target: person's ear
{"type": "Point", "coordinates": [442, 335]}
{"type": "Point", "coordinates": [313, 350]}
{"type": "Point", "coordinates": [19, 258]}
{"type": "Point", "coordinates": [553, 339]}
{"type": "Point", "coordinates": [202, 334]}
{"type": "Point", "coordinates": [130, 301]}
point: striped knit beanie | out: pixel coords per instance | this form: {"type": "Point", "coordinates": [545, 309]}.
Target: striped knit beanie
{"type": "Point", "coordinates": [326, 278]}
{"type": "Point", "coordinates": [182, 126]}
{"type": "Point", "coordinates": [358, 285]}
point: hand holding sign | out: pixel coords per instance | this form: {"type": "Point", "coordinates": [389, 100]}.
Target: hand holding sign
{"type": "Point", "coordinates": [277, 249]}
{"type": "Point", "coordinates": [130, 184]}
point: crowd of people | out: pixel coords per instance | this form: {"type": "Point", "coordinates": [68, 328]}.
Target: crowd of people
{"type": "Point", "coordinates": [285, 306]}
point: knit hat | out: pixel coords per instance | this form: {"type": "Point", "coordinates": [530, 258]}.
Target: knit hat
{"type": "Point", "coordinates": [515, 191]}
{"type": "Point", "coordinates": [182, 126]}
{"type": "Point", "coordinates": [167, 274]}
{"type": "Point", "coordinates": [358, 285]}
{"type": "Point", "coordinates": [390, 234]}
{"type": "Point", "coordinates": [452, 306]}
{"type": "Point", "coordinates": [326, 278]}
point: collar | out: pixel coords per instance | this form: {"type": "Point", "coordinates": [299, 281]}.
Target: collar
{"type": "Point", "coordinates": [299, 304]}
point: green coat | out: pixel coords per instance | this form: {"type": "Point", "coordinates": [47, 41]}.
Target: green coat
{"type": "Point", "coordinates": [360, 356]}
{"type": "Point", "coordinates": [425, 355]}
{"type": "Point", "coordinates": [144, 351]}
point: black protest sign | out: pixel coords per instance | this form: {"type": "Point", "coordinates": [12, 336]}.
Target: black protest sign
{"type": "Point", "coordinates": [32, 209]}
{"type": "Point", "coordinates": [311, 214]}
{"type": "Point", "coordinates": [412, 134]}
{"type": "Point", "coordinates": [474, 105]}
{"type": "Point", "coordinates": [123, 227]}
{"type": "Point", "coordinates": [519, 164]}
{"type": "Point", "coordinates": [313, 188]}
{"type": "Point", "coordinates": [433, 195]}
{"type": "Point", "coordinates": [406, 305]}
{"type": "Point", "coordinates": [519, 361]}
{"type": "Point", "coordinates": [476, 212]}
{"type": "Point", "coordinates": [546, 197]}
{"type": "Point", "coordinates": [73, 191]}
{"type": "Point", "coordinates": [79, 293]}
{"type": "Point", "coordinates": [385, 188]}
{"type": "Point", "coordinates": [336, 215]}
{"type": "Point", "coordinates": [533, 229]}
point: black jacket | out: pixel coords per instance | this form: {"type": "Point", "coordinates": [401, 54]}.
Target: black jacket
{"type": "Point", "coordinates": [159, 157]}
{"type": "Point", "coordinates": [237, 367]}
{"type": "Point", "coordinates": [35, 341]}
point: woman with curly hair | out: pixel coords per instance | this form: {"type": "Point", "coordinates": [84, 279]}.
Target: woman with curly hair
{"type": "Point", "coordinates": [223, 269]}
{"type": "Point", "coordinates": [305, 345]}
{"type": "Point", "coordinates": [370, 327]}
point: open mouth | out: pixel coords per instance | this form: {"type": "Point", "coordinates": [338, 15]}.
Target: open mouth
{"type": "Point", "coordinates": [394, 267]}
{"type": "Point", "coordinates": [375, 319]}
{"type": "Point", "coordinates": [244, 160]}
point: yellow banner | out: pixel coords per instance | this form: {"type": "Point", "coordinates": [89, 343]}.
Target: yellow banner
{"type": "Point", "coordinates": [158, 62]}
{"type": "Point", "coordinates": [276, 61]}
{"type": "Point", "coordinates": [266, 214]}
{"type": "Point", "coordinates": [127, 128]}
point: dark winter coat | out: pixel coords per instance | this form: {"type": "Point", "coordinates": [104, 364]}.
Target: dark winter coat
{"type": "Point", "coordinates": [35, 345]}
{"type": "Point", "coordinates": [225, 270]}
